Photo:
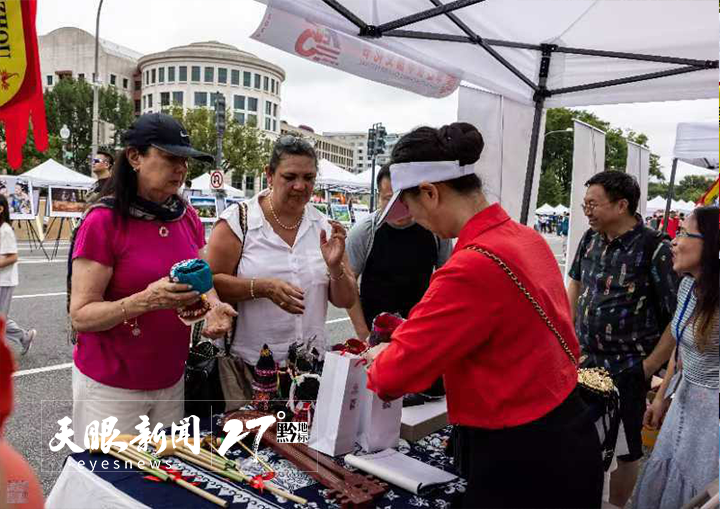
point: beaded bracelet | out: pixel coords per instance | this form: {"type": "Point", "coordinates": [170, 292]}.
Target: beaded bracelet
{"type": "Point", "coordinates": [252, 289]}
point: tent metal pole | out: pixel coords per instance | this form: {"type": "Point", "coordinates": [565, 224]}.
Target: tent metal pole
{"type": "Point", "coordinates": [346, 13]}
{"type": "Point", "coordinates": [671, 190]}
{"type": "Point", "coordinates": [623, 81]}
{"type": "Point", "coordinates": [532, 158]}
{"type": "Point", "coordinates": [703, 64]}
{"type": "Point", "coordinates": [423, 15]}
{"type": "Point", "coordinates": [480, 42]}
{"type": "Point", "coordinates": [433, 36]}
{"type": "Point", "coordinates": [535, 136]}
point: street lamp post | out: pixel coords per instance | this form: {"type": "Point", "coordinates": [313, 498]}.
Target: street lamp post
{"type": "Point", "coordinates": [64, 134]}
{"type": "Point", "coordinates": [568, 130]}
{"type": "Point", "coordinates": [96, 85]}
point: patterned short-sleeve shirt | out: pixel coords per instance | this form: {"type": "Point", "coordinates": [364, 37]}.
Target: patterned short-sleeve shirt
{"type": "Point", "coordinates": [627, 296]}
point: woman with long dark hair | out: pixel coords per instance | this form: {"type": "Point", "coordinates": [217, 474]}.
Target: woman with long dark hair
{"type": "Point", "coordinates": [131, 345]}
{"type": "Point", "coordinates": [9, 279]}
{"type": "Point", "coordinates": [510, 381]}
{"type": "Point", "coordinates": [685, 458]}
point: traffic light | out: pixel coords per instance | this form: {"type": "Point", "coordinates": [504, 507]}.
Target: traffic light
{"type": "Point", "coordinates": [220, 120]}
{"type": "Point", "coordinates": [380, 140]}
{"type": "Point", "coordinates": [371, 142]}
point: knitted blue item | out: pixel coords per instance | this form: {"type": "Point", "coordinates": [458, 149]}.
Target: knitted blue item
{"type": "Point", "coordinates": [194, 272]}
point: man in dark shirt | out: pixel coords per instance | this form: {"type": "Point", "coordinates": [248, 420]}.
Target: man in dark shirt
{"type": "Point", "coordinates": [102, 170]}
{"type": "Point", "coordinates": [623, 293]}
{"type": "Point", "coordinates": [394, 262]}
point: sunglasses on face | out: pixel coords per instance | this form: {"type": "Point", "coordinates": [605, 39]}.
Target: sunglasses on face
{"type": "Point", "coordinates": [684, 234]}
{"type": "Point", "coordinates": [100, 161]}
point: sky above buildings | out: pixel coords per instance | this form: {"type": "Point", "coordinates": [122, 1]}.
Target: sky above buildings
{"type": "Point", "coordinates": [314, 95]}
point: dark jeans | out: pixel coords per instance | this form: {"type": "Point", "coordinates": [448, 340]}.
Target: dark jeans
{"type": "Point", "coordinates": [553, 462]}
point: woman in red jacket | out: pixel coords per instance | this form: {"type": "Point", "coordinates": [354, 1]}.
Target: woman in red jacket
{"type": "Point", "coordinates": [511, 385]}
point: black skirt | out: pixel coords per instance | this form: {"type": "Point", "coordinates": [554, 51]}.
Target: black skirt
{"type": "Point", "coordinates": [553, 462]}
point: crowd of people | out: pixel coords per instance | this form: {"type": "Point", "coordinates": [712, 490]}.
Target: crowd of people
{"type": "Point", "coordinates": [489, 320]}
{"type": "Point", "coordinates": [559, 224]}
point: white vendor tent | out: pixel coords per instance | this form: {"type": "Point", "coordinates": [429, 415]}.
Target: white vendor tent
{"type": "Point", "coordinates": [202, 184]}
{"type": "Point", "coordinates": [561, 209]}
{"type": "Point", "coordinates": [52, 173]}
{"type": "Point", "coordinates": [696, 143]}
{"type": "Point", "coordinates": [332, 177]}
{"type": "Point", "coordinates": [657, 203]}
{"type": "Point", "coordinates": [545, 210]}
{"type": "Point", "coordinates": [545, 53]}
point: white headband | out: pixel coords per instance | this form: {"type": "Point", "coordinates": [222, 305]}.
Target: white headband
{"type": "Point", "coordinates": [407, 175]}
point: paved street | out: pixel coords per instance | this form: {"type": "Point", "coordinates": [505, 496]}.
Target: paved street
{"type": "Point", "coordinates": [42, 383]}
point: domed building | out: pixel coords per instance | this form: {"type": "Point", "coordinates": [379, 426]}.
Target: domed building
{"type": "Point", "coordinates": [192, 75]}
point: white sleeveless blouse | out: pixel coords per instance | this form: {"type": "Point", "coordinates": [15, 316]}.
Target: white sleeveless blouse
{"type": "Point", "coordinates": [265, 255]}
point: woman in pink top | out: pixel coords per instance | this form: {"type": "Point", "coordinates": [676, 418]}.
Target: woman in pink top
{"type": "Point", "coordinates": [131, 346]}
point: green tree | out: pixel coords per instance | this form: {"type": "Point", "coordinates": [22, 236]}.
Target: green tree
{"type": "Point", "coordinates": [550, 191]}
{"type": "Point", "coordinates": [70, 103]}
{"type": "Point", "coordinates": [692, 187]}
{"type": "Point", "coordinates": [246, 149]}
{"type": "Point", "coordinates": [558, 149]}
{"type": "Point", "coordinates": [117, 109]}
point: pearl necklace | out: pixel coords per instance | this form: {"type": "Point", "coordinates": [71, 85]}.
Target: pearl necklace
{"type": "Point", "coordinates": [277, 220]}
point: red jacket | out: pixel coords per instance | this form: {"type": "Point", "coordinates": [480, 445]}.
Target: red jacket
{"type": "Point", "coordinates": [501, 364]}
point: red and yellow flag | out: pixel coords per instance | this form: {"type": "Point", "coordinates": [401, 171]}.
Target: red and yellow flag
{"type": "Point", "coordinates": [21, 94]}
{"type": "Point", "coordinates": [711, 195]}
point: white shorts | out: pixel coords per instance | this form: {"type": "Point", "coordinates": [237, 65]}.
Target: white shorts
{"type": "Point", "coordinates": [93, 401]}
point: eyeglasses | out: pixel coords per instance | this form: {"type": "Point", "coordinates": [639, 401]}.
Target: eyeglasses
{"type": "Point", "coordinates": [684, 234]}
{"type": "Point", "coordinates": [99, 161]}
{"type": "Point", "coordinates": [589, 207]}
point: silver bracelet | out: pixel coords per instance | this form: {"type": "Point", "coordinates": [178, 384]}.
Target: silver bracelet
{"type": "Point", "coordinates": [252, 289]}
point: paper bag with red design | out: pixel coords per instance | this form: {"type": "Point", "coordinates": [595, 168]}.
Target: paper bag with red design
{"type": "Point", "coordinates": [337, 410]}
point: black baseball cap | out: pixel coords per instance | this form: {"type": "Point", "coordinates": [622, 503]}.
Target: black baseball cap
{"type": "Point", "coordinates": [164, 132]}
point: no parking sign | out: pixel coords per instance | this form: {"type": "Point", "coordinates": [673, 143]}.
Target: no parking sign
{"type": "Point", "coordinates": [216, 179]}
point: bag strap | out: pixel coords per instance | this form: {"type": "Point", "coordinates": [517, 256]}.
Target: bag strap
{"type": "Point", "coordinates": [528, 296]}
{"type": "Point", "coordinates": [243, 220]}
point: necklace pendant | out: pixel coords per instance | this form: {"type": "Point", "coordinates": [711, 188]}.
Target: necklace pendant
{"type": "Point", "coordinates": [136, 331]}
{"type": "Point", "coordinates": [164, 232]}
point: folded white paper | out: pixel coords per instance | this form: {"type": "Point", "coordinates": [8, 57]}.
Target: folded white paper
{"type": "Point", "coordinates": [400, 470]}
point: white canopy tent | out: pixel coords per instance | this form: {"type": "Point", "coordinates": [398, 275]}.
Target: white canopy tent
{"type": "Point", "coordinates": [331, 176]}
{"type": "Point", "coordinates": [657, 203]}
{"type": "Point", "coordinates": [52, 173]}
{"type": "Point", "coordinates": [561, 209]}
{"type": "Point", "coordinates": [202, 184]}
{"type": "Point", "coordinates": [545, 209]}
{"type": "Point", "coordinates": [568, 59]}
{"type": "Point", "coordinates": [696, 143]}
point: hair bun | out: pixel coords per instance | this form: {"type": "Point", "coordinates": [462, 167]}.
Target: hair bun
{"type": "Point", "coordinates": [463, 141]}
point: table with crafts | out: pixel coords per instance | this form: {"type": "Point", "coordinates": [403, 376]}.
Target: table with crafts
{"type": "Point", "coordinates": [80, 486]}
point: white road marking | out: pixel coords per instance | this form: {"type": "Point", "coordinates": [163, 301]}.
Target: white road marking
{"type": "Point", "coordinates": [69, 365]}
{"type": "Point", "coordinates": [56, 367]}
{"type": "Point", "coordinates": [39, 295]}
{"type": "Point", "coordinates": [40, 260]}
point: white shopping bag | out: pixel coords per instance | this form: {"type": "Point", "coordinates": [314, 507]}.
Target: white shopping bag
{"type": "Point", "coordinates": [379, 421]}
{"type": "Point", "coordinates": [337, 410]}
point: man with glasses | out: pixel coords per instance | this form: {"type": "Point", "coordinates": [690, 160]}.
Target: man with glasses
{"type": "Point", "coordinates": [102, 170]}
{"type": "Point", "coordinates": [623, 293]}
